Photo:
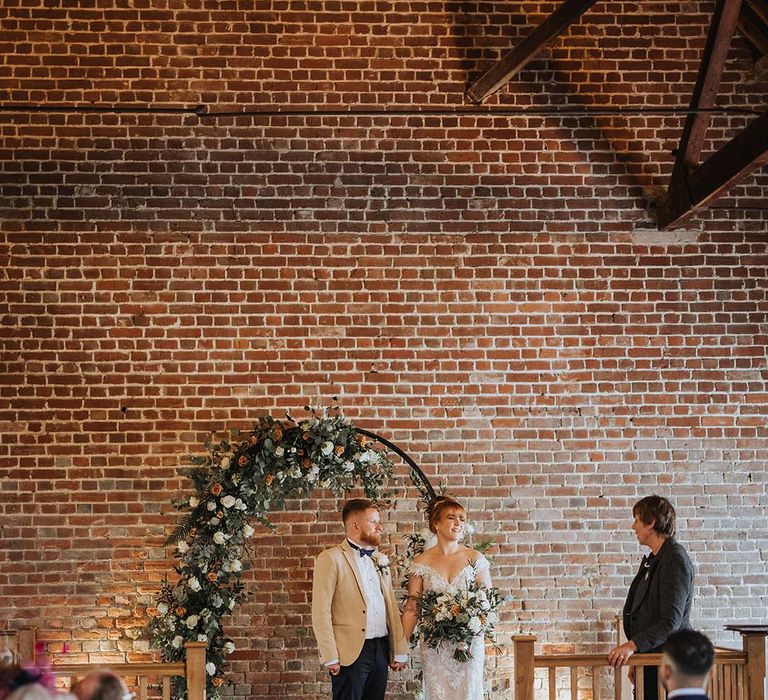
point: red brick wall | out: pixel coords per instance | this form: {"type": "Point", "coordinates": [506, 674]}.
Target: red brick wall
{"type": "Point", "coordinates": [488, 291]}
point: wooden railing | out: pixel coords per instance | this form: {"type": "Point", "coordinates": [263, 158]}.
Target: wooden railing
{"type": "Point", "coordinates": [737, 675]}
{"type": "Point", "coordinates": [193, 668]}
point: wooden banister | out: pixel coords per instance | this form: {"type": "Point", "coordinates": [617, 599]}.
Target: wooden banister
{"type": "Point", "coordinates": [524, 666]}
{"type": "Point", "coordinates": [195, 667]}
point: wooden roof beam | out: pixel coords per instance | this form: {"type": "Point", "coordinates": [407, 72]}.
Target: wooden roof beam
{"type": "Point", "coordinates": [725, 168]}
{"type": "Point", "coordinates": [498, 75]}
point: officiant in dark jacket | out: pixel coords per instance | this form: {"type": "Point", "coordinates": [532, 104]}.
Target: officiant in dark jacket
{"type": "Point", "coordinates": [660, 596]}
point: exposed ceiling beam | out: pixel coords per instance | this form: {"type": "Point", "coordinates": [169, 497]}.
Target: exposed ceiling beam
{"type": "Point", "coordinates": [752, 27]}
{"type": "Point", "coordinates": [503, 70]}
{"type": "Point", "coordinates": [725, 168]}
{"type": "Point", "coordinates": [707, 85]}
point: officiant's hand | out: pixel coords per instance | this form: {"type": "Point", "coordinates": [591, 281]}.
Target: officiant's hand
{"type": "Point", "coordinates": [334, 670]}
{"type": "Point", "coordinates": [619, 655]}
{"type": "Point", "coordinates": [398, 665]}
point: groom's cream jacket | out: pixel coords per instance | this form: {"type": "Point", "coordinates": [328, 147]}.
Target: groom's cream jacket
{"type": "Point", "coordinates": [338, 607]}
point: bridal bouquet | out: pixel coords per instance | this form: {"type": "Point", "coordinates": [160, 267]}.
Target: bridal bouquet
{"type": "Point", "coordinates": [458, 617]}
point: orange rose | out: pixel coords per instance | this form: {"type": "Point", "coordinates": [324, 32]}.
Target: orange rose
{"type": "Point", "coordinates": [218, 681]}
{"type": "Point", "coordinates": [339, 450]}
{"type": "Point", "coordinates": [253, 440]}
{"type": "Point", "coordinates": [455, 610]}
{"type": "Point", "coordinates": [306, 463]}
{"type": "Point", "coordinates": [193, 532]}
{"type": "Point", "coordinates": [277, 434]}
{"type": "Point", "coordinates": [216, 489]}
{"type": "Point", "coordinates": [212, 576]}
{"type": "Point", "coordinates": [268, 479]}
{"type": "Point", "coordinates": [299, 452]}
{"type": "Point", "coordinates": [307, 436]}
{"type": "Point", "coordinates": [243, 460]}
{"type": "Point", "coordinates": [180, 611]}
{"type": "Point", "coordinates": [219, 514]}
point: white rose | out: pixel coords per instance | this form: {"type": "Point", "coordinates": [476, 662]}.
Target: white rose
{"type": "Point", "coordinates": [194, 584]}
{"type": "Point", "coordinates": [348, 466]}
{"type": "Point", "coordinates": [214, 521]}
{"type": "Point", "coordinates": [210, 667]}
{"type": "Point", "coordinates": [162, 608]}
{"type": "Point", "coordinates": [178, 640]}
{"type": "Point", "coordinates": [182, 546]}
{"type": "Point", "coordinates": [228, 501]}
{"type": "Point", "coordinates": [225, 462]}
{"type": "Point", "coordinates": [211, 505]}
{"type": "Point", "coordinates": [192, 621]}
{"type": "Point", "coordinates": [194, 501]}
{"type": "Point", "coordinates": [229, 647]}
{"type": "Point", "coordinates": [279, 451]}
{"type": "Point", "coordinates": [492, 617]}
{"type": "Point", "coordinates": [248, 531]}
{"type": "Point", "coordinates": [474, 624]}
{"type": "Point", "coordinates": [236, 565]}
{"type": "Point", "coordinates": [382, 560]}
{"type": "Point", "coordinates": [239, 505]}
{"type": "Point", "coordinates": [202, 638]}
{"type": "Point", "coordinates": [312, 474]}
{"type": "Point", "coordinates": [219, 538]}
{"type": "Point", "coordinates": [232, 604]}
{"type": "Point", "coordinates": [326, 448]}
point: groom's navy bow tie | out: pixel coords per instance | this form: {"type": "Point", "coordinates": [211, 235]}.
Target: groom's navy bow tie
{"type": "Point", "coordinates": [363, 552]}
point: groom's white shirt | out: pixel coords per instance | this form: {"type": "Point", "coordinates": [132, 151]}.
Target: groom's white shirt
{"type": "Point", "coordinates": [375, 609]}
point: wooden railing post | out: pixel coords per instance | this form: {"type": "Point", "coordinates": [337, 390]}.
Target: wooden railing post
{"type": "Point", "coordinates": [25, 644]}
{"type": "Point", "coordinates": [195, 663]}
{"type": "Point", "coordinates": [622, 688]}
{"type": "Point", "coordinates": [524, 666]}
{"type": "Point", "coordinates": [753, 644]}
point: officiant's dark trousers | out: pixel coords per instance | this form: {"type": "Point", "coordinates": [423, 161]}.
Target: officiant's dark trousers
{"type": "Point", "coordinates": [366, 678]}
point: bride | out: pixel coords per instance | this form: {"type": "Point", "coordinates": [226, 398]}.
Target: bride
{"type": "Point", "coordinates": [447, 566]}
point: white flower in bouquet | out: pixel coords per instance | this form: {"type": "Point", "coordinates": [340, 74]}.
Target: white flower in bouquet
{"type": "Point", "coordinates": [211, 505]}
{"type": "Point", "coordinates": [229, 647]}
{"type": "Point", "coordinates": [295, 472]}
{"type": "Point", "coordinates": [382, 559]}
{"type": "Point", "coordinates": [210, 668]}
{"type": "Point", "coordinates": [239, 505]}
{"type": "Point", "coordinates": [248, 530]}
{"type": "Point", "coordinates": [228, 501]}
{"type": "Point", "coordinates": [194, 501]}
{"type": "Point", "coordinates": [312, 474]}
{"type": "Point", "coordinates": [193, 583]}
{"type": "Point", "coordinates": [326, 448]}
{"type": "Point", "coordinates": [219, 537]}
{"type": "Point", "coordinates": [162, 608]}
{"type": "Point", "coordinates": [348, 466]}
{"type": "Point", "coordinates": [202, 638]}
{"type": "Point", "coordinates": [178, 640]}
{"type": "Point", "coordinates": [474, 624]}
{"type": "Point", "coordinates": [182, 546]}
{"type": "Point", "coordinates": [279, 451]}
{"type": "Point", "coordinates": [192, 621]}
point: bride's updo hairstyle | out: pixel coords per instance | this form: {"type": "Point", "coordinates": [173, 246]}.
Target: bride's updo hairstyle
{"type": "Point", "coordinates": [438, 507]}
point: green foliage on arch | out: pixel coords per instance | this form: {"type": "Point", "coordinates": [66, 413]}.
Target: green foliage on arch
{"type": "Point", "coordinates": [236, 483]}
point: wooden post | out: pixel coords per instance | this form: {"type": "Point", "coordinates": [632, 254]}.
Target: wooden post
{"type": "Point", "coordinates": [754, 646]}
{"type": "Point", "coordinates": [524, 669]}
{"type": "Point", "coordinates": [622, 689]}
{"type": "Point", "coordinates": [195, 663]}
{"type": "Point", "coordinates": [25, 644]}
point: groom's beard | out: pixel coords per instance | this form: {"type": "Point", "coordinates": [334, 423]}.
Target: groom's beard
{"type": "Point", "coordinates": [371, 538]}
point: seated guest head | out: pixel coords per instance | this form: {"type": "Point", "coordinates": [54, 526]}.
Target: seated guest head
{"type": "Point", "coordinates": [101, 685]}
{"type": "Point", "coordinates": [27, 683]}
{"type": "Point", "coordinates": [686, 661]}
{"type": "Point", "coordinates": [362, 521]}
{"type": "Point", "coordinates": [447, 516]}
{"type": "Point", "coordinates": [654, 518]}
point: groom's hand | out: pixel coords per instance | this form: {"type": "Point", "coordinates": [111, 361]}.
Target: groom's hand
{"type": "Point", "coordinates": [397, 665]}
{"type": "Point", "coordinates": [334, 670]}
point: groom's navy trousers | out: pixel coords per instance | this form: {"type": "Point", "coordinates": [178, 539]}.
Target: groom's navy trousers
{"type": "Point", "coordinates": [366, 677]}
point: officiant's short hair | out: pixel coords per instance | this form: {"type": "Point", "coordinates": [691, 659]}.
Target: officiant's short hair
{"type": "Point", "coordinates": [659, 511]}
{"type": "Point", "coordinates": [355, 506]}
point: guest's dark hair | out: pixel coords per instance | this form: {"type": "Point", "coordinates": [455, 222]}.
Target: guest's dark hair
{"type": "Point", "coordinates": [691, 653]}
{"type": "Point", "coordinates": [656, 510]}
{"type": "Point", "coordinates": [103, 685]}
{"type": "Point", "coordinates": [355, 506]}
{"type": "Point", "coordinates": [439, 505]}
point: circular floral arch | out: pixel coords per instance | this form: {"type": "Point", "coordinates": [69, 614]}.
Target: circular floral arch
{"type": "Point", "coordinates": [243, 480]}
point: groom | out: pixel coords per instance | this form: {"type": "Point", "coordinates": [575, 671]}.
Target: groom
{"type": "Point", "coordinates": [354, 611]}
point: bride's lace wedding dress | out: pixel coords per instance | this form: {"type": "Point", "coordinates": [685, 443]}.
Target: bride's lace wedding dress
{"type": "Point", "coordinates": [443, 677]}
